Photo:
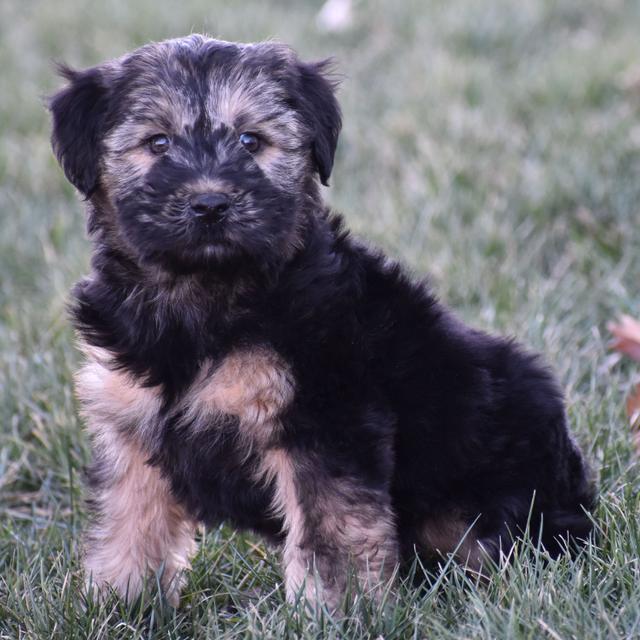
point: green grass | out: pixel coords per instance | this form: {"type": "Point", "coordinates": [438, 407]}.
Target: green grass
{"type": "Point", "coordinates": [493, 144]}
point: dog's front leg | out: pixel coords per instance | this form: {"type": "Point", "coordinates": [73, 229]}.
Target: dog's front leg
{"type": "Point", "coordinates": [333, 526]}
{"type": "Point", "coordinates": [137, 528]}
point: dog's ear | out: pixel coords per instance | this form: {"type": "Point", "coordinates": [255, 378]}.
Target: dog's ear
{"type": "Point", "coordinates": [318, 105]}
{"type": "Point", "coordinates": [79, 113]}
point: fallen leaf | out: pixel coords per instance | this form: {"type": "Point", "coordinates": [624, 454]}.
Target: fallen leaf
{"type": "Point", "coordinates": [626, 339]}
{"type": "Point", "coordinates": [633, 411]}
{"type": "Point", "coordinates": [626, 336]}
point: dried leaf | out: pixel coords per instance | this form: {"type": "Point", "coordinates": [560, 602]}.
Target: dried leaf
{"type": "Point", "coordinates": [626, 339]}
{"type": "Point", "coordinates": [633, 411]}
{"type": "Point", "coordinates": [626, 336]}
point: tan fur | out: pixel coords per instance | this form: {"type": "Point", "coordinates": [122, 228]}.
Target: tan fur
{"type": "Point", "coordinates": [277, 164]}
{"type": "Point", "coordinates": [129, 166]}
{"type": "Point", "coordinates": [128, 138]}
{"type": "Point", "coordinates": [209, 185]}
{"type": "Point", "coordinates": [112, 400]}
{"type": "Point", "coordinates": [278, 467]}
{"type": "Point", "coordinates": [171, 102]}
{"type": "Point", "coordinates": [140, 528]}
{"type": "Point", "coordinates": [230, 102]}
{"type": "Point", "coordinates": [254, 385]}
{"type": "Point", "coordinates": [363, 530]}
{"type": "Point", "coordinates": [450, 534]}
{"type": "Point", "coordinates": [141, 159]}
{"type": "Point", "coordinates": [250, 99]}
{"type": "Point", "coordinates": [362, 534]}
{"type": "Point", "coordinates": [162, 101]}
{"type": "Point", "coordinates": [368, 532]}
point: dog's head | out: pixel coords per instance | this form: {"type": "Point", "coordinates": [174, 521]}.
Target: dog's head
{"type": "Point", "coordinates": [202, 150]}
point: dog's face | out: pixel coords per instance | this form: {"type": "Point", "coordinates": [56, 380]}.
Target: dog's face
{"type": "Point", "coordinates": [204, 150]}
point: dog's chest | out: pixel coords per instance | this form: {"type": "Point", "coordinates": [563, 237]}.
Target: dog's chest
{"type": "Point", "coordinates": [115, 404]}
{"type": "Point", "coordinates": [209, 441]}
{"type": "Point", "coordinates": [253, 385]}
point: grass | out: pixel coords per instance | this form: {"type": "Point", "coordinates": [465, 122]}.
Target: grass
{"type": "Point", "coordinates": [493, 144]}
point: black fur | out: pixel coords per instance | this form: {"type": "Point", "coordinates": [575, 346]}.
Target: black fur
{"type": "Point", "coordinates": [79, 114]}
{"type": "Point", "coordinates": [391, 390]}
{"type": "Point", "coordinates": [318, 103]}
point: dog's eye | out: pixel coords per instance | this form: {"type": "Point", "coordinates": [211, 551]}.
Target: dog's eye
{"type": "Point", "coordinates": [250, 142]}
{"type": "Point", "coordinates": [159, 144]}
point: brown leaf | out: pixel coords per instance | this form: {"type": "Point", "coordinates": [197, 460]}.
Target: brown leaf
{"type": "Point", "coordinates": [626, 336]}
{"type": "Point", "coordinates": [633, 411]}
{"type": "Point", "coordinates": [626, 339]}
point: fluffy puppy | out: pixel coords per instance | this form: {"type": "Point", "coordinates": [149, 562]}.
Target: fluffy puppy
{"type": "Point", "coordinates": [248, 361]}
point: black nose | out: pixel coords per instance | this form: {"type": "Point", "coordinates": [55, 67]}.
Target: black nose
{"type": "Point", "coordinates": [210, 207]}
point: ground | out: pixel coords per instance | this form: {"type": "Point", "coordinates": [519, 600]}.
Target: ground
{"type": "Point", "coordinates": [492, 144]}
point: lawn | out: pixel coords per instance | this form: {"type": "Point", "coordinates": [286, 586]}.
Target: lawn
{"type": "Point", "coordinates": [492, 144]}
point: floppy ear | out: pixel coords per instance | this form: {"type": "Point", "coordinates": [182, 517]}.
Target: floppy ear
{"type": "Point", "coordinates": [79, 113]}
{"type": "Point", "coordinates": [319, 106]}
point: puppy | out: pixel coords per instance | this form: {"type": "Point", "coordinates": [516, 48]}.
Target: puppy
{"type": "Point", "coordinates": [248, 361]}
